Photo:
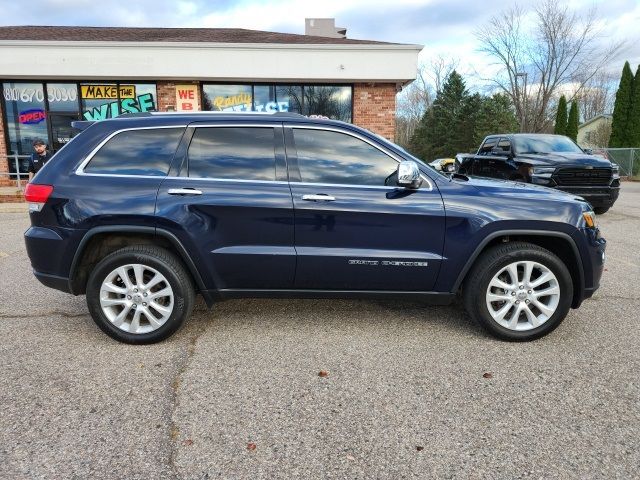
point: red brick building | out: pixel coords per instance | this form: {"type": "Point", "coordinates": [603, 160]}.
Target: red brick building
{"type": "Point", "coordinates": [53, 75]}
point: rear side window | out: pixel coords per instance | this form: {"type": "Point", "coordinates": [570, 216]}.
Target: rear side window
{"type": "Point", "coordinates": [137, 152]}
{"type": "Point", "coordinates": [238, 153]}
{"type": "Point", "coordinates": [504, 144]}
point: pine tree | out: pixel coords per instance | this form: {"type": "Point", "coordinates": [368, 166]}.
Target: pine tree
{"type": "Point", "coordinates": [442, 131]}
{"type": "Point", "coordinates": [561, 117]}
{"type": "Point", "coordinates": [634, 113]}
{"type": "Point", "coordinates": [572, 123]}
{"type": "Point", "coordinates": [621, 110]}
{"type": "Point", "coordinates": [458, 121]}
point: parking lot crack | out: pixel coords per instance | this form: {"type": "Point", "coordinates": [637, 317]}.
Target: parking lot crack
{"type": "Point", "coordinates": [183, 364]}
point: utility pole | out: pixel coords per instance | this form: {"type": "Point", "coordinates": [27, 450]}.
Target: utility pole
{"type": "Point", "coordinates": [523, 120]}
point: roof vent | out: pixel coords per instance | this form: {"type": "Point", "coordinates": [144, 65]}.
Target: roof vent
{"type": "Point", "coordinates": [323, 27]}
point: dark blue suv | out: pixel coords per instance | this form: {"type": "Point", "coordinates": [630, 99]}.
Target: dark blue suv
{"type": "Point", "coordinates": [142, 212]}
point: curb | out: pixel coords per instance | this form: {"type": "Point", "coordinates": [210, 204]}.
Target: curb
{"type": "Point", "coordinates": [14, 207]}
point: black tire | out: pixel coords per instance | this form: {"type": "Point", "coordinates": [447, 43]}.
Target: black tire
{"type": "Point", "coordinates": [156, 258]}
{"type": "Point", "coordinates": [601, 210]}
{"type": "Point", "coordinates": [495, 259]}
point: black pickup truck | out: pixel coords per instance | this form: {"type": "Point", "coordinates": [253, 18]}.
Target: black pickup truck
{"type": "Point", "coordinates": [549, 160]}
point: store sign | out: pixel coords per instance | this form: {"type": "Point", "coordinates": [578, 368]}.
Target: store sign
{"type": "Point", "coordinates": [32, 117]}
{"type": "Point", "coordinates": [142, 103]}
{"type": "Point", "coordinates": [186, 97]}
{"type": "Point", "coordinates": [93, 92]}
{"type": "Point", "coordinates": [23, 95]}
{"type": "Point", "coordinates": [242, 103]}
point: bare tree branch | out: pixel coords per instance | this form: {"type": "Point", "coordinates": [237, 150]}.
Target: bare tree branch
{"type": "Point", "coordinates": [562, 48]}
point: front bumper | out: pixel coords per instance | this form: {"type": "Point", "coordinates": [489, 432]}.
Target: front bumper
{"type": "Point", "coordinates": [596, 196]}
{"type": "Point", "coordinates": [592, 247]}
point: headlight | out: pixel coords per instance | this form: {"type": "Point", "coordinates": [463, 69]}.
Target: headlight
{"type": "Point", "coordinates": [616, 170]}
{"type": "Point", "coordinates": [589, 219]}
{"type": "Point", "coordinates": [541, 171]}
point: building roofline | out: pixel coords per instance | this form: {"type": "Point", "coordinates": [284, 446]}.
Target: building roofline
{"type": "Point", "coordinates": [212, 45]}
{"type": "Point", "coordinates": [593, 119]}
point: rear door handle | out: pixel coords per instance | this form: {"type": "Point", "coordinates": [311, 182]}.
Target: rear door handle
{"type": "Point", "coordinates": [184, 191]}
{"type": "Point", "coordinates": [318, 198]}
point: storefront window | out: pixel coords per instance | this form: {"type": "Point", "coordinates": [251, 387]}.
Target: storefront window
{"type": "Point", "coordinates": [24, 107]}
{"type": "Point", "coordinates": [108, 100]}
{"type": "Point", "coordinates": [329, 101]}
{"type": "Point", "coordinates": [291, 95]}
{"type": "Point", "coordinates": [62, 97]}
{"type": "Point", "coordinates": [326, 100]}
{"type": "Point", "coordinates": [227, 98]}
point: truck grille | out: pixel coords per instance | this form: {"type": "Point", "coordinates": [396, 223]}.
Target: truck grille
{"type": "Point", "coordinates": [583, 176]}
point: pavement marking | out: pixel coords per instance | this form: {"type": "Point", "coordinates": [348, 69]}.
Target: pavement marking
{"type": "Point", "coordinates": [3, 254]}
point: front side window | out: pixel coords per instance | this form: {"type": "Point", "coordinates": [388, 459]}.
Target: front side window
{"type": "Point", "coordinates": [488, 145]}
{"type": "Point", "coordinates": [137, 152]}
{"type": "Point", "coordinates": [238, 153]}
{"type": "Point", "coordinates": [337, 158]}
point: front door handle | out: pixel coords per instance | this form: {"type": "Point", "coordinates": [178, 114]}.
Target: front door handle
{"type": "Point", "coordinates": [318, 198]}
{"type": "Point", "coordinates": [184, 191]}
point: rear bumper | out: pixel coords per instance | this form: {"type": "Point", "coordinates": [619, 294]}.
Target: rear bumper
{"type": "Point", "coordinates": [50, 251]}
{"type": "Point", "coordinates": [53, 281]}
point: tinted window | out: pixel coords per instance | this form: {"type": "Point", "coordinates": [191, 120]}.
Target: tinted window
{"type": "Point", "coordinates": [332, 157]}
{"type": "Point", "coordinates": [137, 152]}
{"type": "Point", "coordinates": [487, 146]}
{"type": "Point", "coordinates": [504, 144]}
{"type": "Point", "coordinates": [233, 152]}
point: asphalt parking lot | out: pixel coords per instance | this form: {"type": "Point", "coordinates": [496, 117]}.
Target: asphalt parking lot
{"type": "Point", "coordinates": [412, 391]}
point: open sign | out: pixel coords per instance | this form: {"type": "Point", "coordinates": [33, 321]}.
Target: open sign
{"type": "Point", "coordinates": [30, 117]}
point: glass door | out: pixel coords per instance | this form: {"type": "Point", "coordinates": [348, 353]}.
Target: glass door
{"type": "Point", "coordinates": [61, 131]}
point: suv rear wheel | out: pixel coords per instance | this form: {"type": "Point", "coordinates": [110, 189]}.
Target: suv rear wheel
{"type": "Point", "coordinates": [518, 291]}
{"type": "Point", "coordinates": [140, 294]}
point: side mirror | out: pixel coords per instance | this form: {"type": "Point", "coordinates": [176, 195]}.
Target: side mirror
{"type": "Point", "coordinates": [409, 175]}
{"type": "Point", "coordinates": [588, 151]}
{"type": "Point", "coordinates": [498, 152]}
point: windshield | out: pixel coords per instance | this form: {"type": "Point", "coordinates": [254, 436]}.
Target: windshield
{"type": "Point", "coordinates": [544, 144]}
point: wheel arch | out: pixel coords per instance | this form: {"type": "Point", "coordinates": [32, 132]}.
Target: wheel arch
{"type": "Point", "coordinates": [559, 243]}
{"type": "Point", "coordinates": [100, 241]}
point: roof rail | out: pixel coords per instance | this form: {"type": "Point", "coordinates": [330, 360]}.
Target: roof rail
{"type": "Point", "coordinates": [82, 124]}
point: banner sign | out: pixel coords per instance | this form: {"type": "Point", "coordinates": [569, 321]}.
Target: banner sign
{"type": "Point", "coordinates": [32, 117]}
{"type": "Point", "coordinates": [141, 103]}
{"type": "Point", "coordinates": [107, 91]}
{"type": "Point", "coordinates": [186, 98]}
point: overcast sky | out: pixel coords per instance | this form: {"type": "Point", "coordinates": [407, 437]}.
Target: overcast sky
{"type": "Point", "coordinates": [444, 27]}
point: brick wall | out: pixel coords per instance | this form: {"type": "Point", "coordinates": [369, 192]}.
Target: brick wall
{"type": "Point", "coordinates": [374, 108]}
{"type": "Point", "coordinates": [167, 95]}
{"type": "Point", "coordinates": [4, 164]}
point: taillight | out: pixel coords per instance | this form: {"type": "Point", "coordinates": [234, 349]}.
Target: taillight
{"type": "Point", "coordinates": [37, 195]}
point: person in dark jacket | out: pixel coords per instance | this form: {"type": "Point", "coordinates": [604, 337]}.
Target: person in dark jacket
{"type": "Point", "coordinates": [38, 158]}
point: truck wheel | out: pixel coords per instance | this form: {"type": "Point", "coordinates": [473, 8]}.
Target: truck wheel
{"type": "Point", "coordinates": [601, 210]}
{"type": "Point", "coordinates": [518, 291]}
{"type": "Point", "coordinates": [140, 294]}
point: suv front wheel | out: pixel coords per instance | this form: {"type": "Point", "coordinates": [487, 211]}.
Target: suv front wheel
{"type": "Point", "coordinates": [140, 294]}
{"type": "Point", "coordinates": [518, 291]}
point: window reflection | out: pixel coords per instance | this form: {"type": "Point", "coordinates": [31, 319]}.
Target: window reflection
{"type": "Point", "coordinates": [26, 117]}
{"type": "Point", "coordinates": [233, 153]}
{"type": "Point", "coordinates": [330, 101]}
{"type": "Point", "coordinates": [332, 157]}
